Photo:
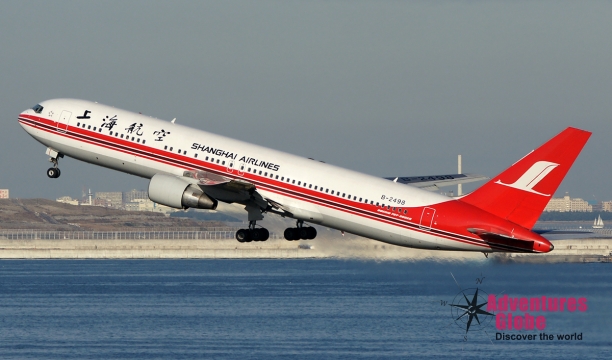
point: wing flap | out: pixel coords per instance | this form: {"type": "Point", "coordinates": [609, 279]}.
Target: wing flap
{"type": "Point", "coordinates": [502, 240]}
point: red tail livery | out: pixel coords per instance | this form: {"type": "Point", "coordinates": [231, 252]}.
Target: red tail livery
{"type": "Point", "coordinates": [521, 192]}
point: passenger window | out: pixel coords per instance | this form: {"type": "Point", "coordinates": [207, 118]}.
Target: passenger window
{"type": "Point", "coordinates": [223, 163]}
{"type": "Point", "coordinates": [231, 165]}
{"type": "Point", "coordinates": [78, 124]}
{"type": "Point", "coordinates": [138, 140]}
{"type": "Point", "coordinates": [94, 129]}
{"type": "Point", "coordinates": [184, 152]}
{"type": "Point", "coordinates": [283, 178]}
{"type": "Point", "coordinates": [342, 194]}
{"type": "Point", "coordinates": [276, 177]}
{"type": "Point", "coordinates": [132, 138]}
{"type": "Point", "coordinates": [405, 211]}
{"type": "Point", "coordinates": [122, 136]}
{"type": "Point", "coordinates": [170, 148]}
{"type": "Point", "coordinates": [360, 200]}
{"type": "Point", "coordinates": [207, 158]}
{"type": "Point", "coordinates": [293, 182]}
{"type": "Point", "coordinates": [266, 174]}
{"type": "Point", "coordinates": [249, 169]}
{"type": "Point", "coordinates": [259, 172]}
{"type": "Point", "coordinates": [195, 155]}
{"type": "Point", "coordinates": [299, 183]}
{"type": "Point", "coordinates": [166, 147]}
{"type": "Point", "coordinates": [89, 127]}
{"type": "Point", "coordinates": [179, 151]}
{"type": "Point", "coordinates": [100, 130]}
{"type": "Point", "coordinates": [143, 141]}
{"type": "Point", "coordinates": [310, 186]}
{"type": "Point", "coordinates": [377, 204]}
{"type": "Point", "coordinates": [326, 190]}
{"type": "Point", "coordinates": [332, 192]}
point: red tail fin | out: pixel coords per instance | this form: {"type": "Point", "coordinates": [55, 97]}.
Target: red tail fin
{"type": "Point", "coordinates": [521, 192]}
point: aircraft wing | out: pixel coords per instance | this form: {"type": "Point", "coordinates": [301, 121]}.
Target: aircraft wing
{"type": "Point", "coordinates": [434, 182]}
{"type": "Point", "coordinates": [237, 191]}
{"type": "Point", "coordinates": [221, 187]}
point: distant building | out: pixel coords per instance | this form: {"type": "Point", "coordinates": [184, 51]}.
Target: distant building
{"type": "Point", "coordinates": [147, 205]}
{"type": "Point", "coordinates": [130, 196]}
{"type": "Point", "coordinates": [114, 198]}
{"type": "Point", "coordinates": [606, 206]}
{"type": "Point", "coordinates": [67, 200]}
{"type": "Point", "coordinates": [567, 204]}
{"type": "Point", "coordinates": [4, 193]}
{"type": "Point", "coordinates": [101, 202]}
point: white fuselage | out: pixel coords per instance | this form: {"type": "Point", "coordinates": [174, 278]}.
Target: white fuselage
{"type": "Point", "coordinates": [317, 192]}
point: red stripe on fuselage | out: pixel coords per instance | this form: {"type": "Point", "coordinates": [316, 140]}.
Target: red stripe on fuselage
{"type": "Point", "coordinates": [169, 158]}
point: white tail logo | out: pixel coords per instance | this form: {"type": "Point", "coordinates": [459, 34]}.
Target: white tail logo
{"type": "Point", "coordinates": [536, 173]}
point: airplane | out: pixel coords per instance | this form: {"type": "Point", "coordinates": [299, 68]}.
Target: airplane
{"type": "Point", "coordinates": [190, 168]}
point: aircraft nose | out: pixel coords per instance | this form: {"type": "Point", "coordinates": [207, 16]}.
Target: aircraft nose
{"type": "Point", "coordinates": [552, 247]}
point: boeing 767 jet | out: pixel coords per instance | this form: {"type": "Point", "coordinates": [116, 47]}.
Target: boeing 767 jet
{"type": "Point", "coordinates": [190, 168]}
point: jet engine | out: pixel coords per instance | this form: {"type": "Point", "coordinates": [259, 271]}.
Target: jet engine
{"type": "Point", "coordinates": [177, 193]}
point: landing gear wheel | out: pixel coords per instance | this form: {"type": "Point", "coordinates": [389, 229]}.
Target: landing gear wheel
{"type": "Point", "coordinates": [312, 233]}
{"type": "Point", "coordinates": [53, 173]}
{"type": "Point", "coordinates": [243, 235]}
{"type": "Point", "coordinates": [256, 234]}
{"type": "Point", "coordinates": [264, 234]}
{"type": "Point", "coordinates": [291, 234]}
{"type": "Point", "coordinates": [304, 233]}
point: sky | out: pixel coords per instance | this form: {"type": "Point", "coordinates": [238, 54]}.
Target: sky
{"type": "Point", "coordinates": [383, 87]}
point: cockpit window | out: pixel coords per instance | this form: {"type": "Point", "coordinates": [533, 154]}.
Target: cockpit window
{"type": "Point", "coordinates": [37, 108]}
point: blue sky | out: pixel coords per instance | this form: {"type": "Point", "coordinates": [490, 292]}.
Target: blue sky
{"type": "Point", "coordinates": [386, 88]}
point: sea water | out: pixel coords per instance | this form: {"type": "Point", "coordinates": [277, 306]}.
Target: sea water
{"type": "Point", "coordinates": [302, 309]}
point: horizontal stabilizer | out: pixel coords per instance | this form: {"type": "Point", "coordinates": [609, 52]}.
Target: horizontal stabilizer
{"type": "Point", "coordinates": [561, 232]}
{"type": "Point", "coordinates": [503, 241]}
{"type": "Point", "coordinates": [433, 182]}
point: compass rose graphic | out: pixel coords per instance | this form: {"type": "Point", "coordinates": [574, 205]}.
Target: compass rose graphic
{"type": "Point", "coordinates": [468, 308]}
{"type": "Point", "coordinates": [465, 311]}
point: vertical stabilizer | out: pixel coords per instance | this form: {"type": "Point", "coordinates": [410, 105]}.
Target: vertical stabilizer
{"type": "Point", "coordinates": [521, 192]}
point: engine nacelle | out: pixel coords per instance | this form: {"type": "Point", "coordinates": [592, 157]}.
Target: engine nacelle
{"type": "Point", "coordinates": [177, 193]}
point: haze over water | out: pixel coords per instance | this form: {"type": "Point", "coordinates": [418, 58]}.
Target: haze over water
{"type": "Point", "coordinates": [307, 309]}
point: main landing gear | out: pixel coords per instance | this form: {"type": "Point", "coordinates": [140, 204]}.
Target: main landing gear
{"type": "Point", "coordinates": [300, 232]}
{"type": "Point", "coordinates": [54, 172]}
{"type": "Point", "coordinates": [252, 233]}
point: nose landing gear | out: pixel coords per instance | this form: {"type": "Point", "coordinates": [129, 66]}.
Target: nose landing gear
{"type": "Point", "coordinates": [54, 172]}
